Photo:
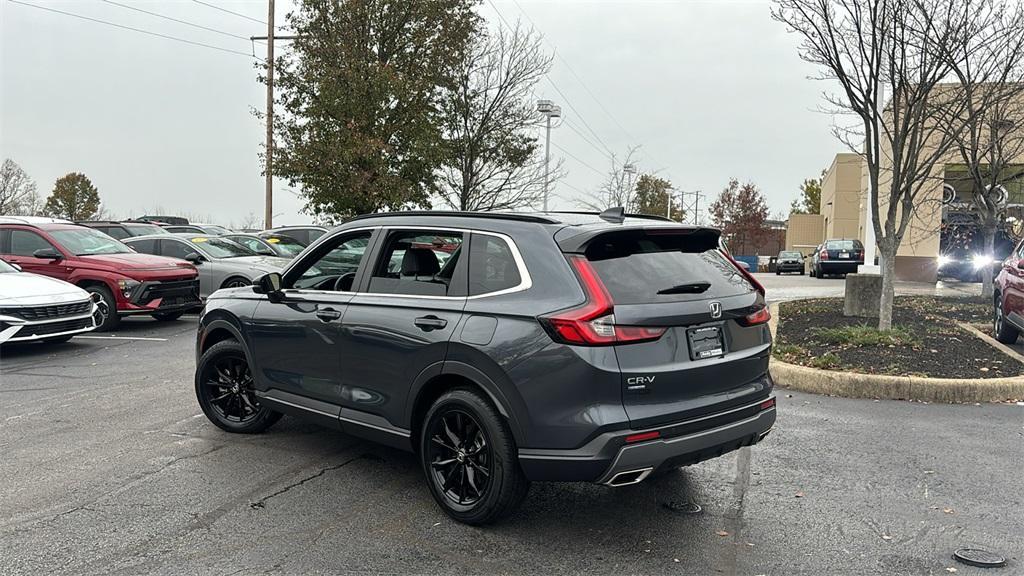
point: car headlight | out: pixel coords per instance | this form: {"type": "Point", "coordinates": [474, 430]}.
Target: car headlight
{"type": "Point", "coordinates": [943, 260]}
{"type": "Point", "coordinates": [127, 287]}
{"type": "Point", "coordinates": [982, 260]}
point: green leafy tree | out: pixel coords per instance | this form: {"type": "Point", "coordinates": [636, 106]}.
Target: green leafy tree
{"type": "Point", "coordinates": [740, 212]}
{"type": "Point", "coordinates": [652, 197]}
{"type": "Point", "coordinates": [359, 128]}
{"type": "Point", "coordinates": [809, 201]}
{"type": "Point", "coordinates": [74, 198]}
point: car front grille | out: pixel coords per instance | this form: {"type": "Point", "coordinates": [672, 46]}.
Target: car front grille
{"type": "Point", "coordinates": [53, 327]}
{"type": "Point", "coordinates": [174, 293]}
{"type": "Point", "coordinates": [34, 313]}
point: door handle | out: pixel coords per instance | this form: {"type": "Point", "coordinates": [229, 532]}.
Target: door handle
{"type": "Point", "coordinates": [327, 314]}
{"type": "Point", "coordinates": [428, 323]}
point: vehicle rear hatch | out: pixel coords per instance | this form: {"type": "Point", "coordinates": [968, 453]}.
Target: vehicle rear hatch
{"type": "Point", "coordinates": [690, 328]}
{"type": "Point", "coordinates": [844, 250]}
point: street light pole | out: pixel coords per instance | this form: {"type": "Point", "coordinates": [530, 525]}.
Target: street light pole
{"type": "Point", "coordinates": [268, 210]}
{"type": "Point", "coordinates": [549, 110]}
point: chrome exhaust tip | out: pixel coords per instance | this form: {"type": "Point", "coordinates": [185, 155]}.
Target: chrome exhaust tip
{"type": "Point", "coordinates": [629, 477]}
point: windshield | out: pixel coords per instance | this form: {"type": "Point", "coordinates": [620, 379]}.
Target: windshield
{"type": "Point", "coordinates": [789, 255]}
{"type": "Point", "coordinates": [286, 245]}
{"type": "Point", "coordinates": [221, 247]}
{"type": "Point", "coordinates": [214, 229]}
{"type": "Point", "coordinates": [144, 229]}
{"type": "Point", "coordinates": [89, 242]}
{"type": "Point", "coordinates": [5, 267]}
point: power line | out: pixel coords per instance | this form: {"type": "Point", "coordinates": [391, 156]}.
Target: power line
{"type": "Point", "coordinates": [584, 137]}
{"type": "Point", "coordinates": [185, 22]}
{"type": "Point", "coordinates": [139, 30]}
{"type": "Point", "coordinates": [580, 79]}
{"type": "Point", "coordinates": [225, 10]}
{"type": "Point", "coordinates": [547, 77]}
{"type": "Point", "coordinates": [571, 155]}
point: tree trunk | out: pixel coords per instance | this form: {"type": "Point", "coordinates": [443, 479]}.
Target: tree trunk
{"type": "Point", "coordinates": [986, 272]}
{"type": "Point", "coordinates": [885, 303]}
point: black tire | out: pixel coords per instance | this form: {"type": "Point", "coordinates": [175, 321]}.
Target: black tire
{"type": "Point", "coordinates": [59, 339]}
{"type": "Point", "coordinates": [463, 437]}
{"type": "Point", "coordinates": [236, 282]}
{"type": "Point", "coordinates": [777, 273]}
{"type": "Point", "coordinates": [225, 392]}
{"type": "Point", "coordinates": [812, 272]}
{"type": "Point", "coordinates": [1000, 327]}
{"type": "Point", "coordinates": [801, 271]}
{"type": "Point", "coordinates": [107, 318]}
{"type": "Point", "coordinates": [167, 316]}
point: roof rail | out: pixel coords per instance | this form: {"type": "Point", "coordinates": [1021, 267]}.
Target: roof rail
{"type": "Point", "coordinates": [33, 220]}
{"type": "Point", "coordinates": [537, 218]}
{"type": "Point", "coordinates": [606, 212]}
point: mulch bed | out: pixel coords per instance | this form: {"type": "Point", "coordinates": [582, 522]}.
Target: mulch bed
{"type": "Point", "coordinates": [932, 345]}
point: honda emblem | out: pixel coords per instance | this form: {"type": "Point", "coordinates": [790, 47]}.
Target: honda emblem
{"type": "Point", "coordinates": [716, 309]}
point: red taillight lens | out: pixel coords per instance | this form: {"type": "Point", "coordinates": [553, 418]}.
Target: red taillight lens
{"type": "Point", "coordinates": [746, 274]}
{"type": "Point", "coordinates": [769, 403]}
{"type": "Point", "coordinates": [643, 436]}
{"type": "Point", "coordinates": [759, 317]}
{"type": "Point", "coordinates": [593, 323]}
{"type": "Point", "coordinates": [823, 255]}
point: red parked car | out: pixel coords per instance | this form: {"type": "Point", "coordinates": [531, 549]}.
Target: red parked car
{"type": "Point", "coordinates": [127, 282]}
{"type": "Point", "coordinates": [1008, 319]}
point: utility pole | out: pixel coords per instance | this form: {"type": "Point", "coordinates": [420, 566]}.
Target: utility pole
{"type": "Point", "coordinates": [268, 210]}
{"type": "Point", "coordinates": [695, 206]}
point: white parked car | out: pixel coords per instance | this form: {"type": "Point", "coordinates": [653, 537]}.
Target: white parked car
{"type": "Point", "coordinates": [36, 308]}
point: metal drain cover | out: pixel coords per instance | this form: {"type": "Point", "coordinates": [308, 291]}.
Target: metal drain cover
{"type": "Point", "coordinates": [979, 557]}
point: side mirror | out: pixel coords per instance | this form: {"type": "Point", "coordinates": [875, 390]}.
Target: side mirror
{"type": "Point", "coordinates": [269, 284]}
{"type": "Point", "coordinates": [194, 257]}
{"type": "Point", "coordinates": [47, 254]}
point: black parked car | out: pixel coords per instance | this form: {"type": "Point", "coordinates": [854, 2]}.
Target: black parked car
{"type": "Point", "coordinates": [789, 261]}
{"type": "Point", "coordinates": [839, 256]}
{"type": "Point", "coordinates": [502, 349]}
{"type": "Point", "coordinates": [122, 230]}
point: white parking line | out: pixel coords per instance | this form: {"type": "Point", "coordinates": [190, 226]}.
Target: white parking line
{"type": "Point", "coordinates": [122, 338]}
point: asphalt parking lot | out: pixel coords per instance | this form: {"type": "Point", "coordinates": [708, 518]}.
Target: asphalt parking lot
{"type": "Point", "coordinates": [109, 467]}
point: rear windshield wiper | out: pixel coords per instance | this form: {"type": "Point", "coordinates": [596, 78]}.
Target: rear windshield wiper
{"type": "Point", "coordinates": [691, 288]}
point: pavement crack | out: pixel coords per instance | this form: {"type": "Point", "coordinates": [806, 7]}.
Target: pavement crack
{"type": "Point", "coordinates": [262, 501]}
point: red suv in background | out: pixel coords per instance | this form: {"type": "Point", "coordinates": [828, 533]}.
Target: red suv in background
{"type": "Point", "coordinates": [1008, 319]}
{"type": "Point", "coordinates": [126, 281]}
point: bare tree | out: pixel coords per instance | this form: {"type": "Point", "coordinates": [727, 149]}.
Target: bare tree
{"type": "Point", "coordinates": [493, 160]}
{"type": "Point", "coordinates": [989, 64]}
{"type": "Point", "coordinates": [17, 190]}
{"type": "Point", "coordinates": [619, 188]}
{"type": "Point", "coordinates": [901, 47]}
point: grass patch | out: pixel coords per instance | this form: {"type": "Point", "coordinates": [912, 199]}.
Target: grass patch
{"type": "Point", "coordinates": [864, 335]}
{"type": "Point", "coordinates": [826, 361]}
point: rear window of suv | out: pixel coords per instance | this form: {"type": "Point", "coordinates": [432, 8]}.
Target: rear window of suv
{"type": "Point", "coordinates": [642, 269]}
{"type": "Point", "coordinates": [843, 245]}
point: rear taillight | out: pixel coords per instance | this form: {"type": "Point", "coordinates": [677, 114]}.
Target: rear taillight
{"type": "Point", "coordinates": [823, 255]}
{"type": "Point", "coordinates": [759, 317]}
{"type": "Point", "coordinates": [769, 403]}
{"type": "Point", "coordinates": [746, 273]}
{"type": "Point", "coordinates": [593, 322]}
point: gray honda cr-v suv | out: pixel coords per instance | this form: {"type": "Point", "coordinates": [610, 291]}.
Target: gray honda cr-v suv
{"type": "Point", "coordinates": [502, 348]}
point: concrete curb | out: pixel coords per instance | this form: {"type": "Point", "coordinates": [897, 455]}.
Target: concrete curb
{"type": "Point", "coordinates": [853, 385]}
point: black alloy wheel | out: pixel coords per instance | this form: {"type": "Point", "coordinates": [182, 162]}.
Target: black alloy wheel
{"type": "Point", "coordinates": [224, 388]}
{"type": "Point", "coordinates": [470, 458]}
{"type": "Point", "coordinates": [460, 457]}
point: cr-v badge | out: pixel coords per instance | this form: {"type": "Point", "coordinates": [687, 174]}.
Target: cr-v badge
{"type": "Point", "coordinates": [716, 309]}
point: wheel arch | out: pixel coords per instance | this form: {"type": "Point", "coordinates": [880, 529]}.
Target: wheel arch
{"type": "Point", "coordinates": [234, 277]}
{"type": "Point", "coordinates": [438, 378]}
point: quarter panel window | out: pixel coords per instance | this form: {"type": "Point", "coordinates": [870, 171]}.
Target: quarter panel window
{"type": "Point", "coordinates": [417, 262]}
{"type": "Point", "coordinates": [492, 267]}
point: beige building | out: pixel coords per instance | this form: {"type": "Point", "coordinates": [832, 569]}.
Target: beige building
{"type": "Point", "coordinates": [840, 197]}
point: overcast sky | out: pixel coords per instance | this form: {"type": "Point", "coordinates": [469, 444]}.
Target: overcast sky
{"type": "Point", "coordinates": [710, 89]}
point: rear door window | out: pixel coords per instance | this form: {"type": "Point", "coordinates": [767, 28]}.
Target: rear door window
{"type": "Point", "coordinates": [421, 263]}
{"type": "Point", "coordinates": [642, 269]}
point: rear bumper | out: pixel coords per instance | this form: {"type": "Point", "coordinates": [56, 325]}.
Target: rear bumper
{"type": "Point", "coordinates": [839, 266]}
{"type": "Point", "coordinates": [609, 460]}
